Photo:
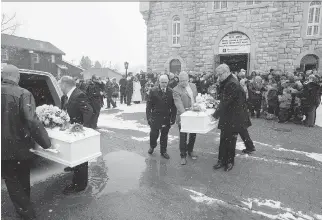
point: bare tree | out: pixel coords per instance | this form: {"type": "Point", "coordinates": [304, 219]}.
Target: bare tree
{"type": "Point", "coordinates": [8, 23]}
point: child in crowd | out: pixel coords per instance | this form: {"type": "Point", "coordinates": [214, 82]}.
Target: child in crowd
{"type": "Point", "coordinates": [272, 101]}
{"type": "Point", "coordinates": [255, 96]}
{"type": "Point", "coordinates": [285, 101]}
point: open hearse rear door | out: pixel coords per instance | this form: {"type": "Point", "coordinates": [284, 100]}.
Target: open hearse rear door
{"type": "Point", "coordinates": [42, 85]}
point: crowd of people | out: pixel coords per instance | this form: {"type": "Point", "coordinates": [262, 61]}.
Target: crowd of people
{"type": "Point", "coordinates": [274, 95]}
{"type": "Point", "coordinates": [284, 96]}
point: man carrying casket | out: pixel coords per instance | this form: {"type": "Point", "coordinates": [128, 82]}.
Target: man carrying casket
{"type": "Point", "coordinates": [80, 111]}
{"type": "Point", "coordinates": [232, 114]}
{"type": "Point", "coordinates": [19, 127]}
{"type": "Point", "coordinates": [184, 95]}
{"type": "Point", "coordinates": [161, 114]}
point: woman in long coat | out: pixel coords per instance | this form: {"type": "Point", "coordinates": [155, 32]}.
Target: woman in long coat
{"type": "Point", "coordinates": [136, 97]}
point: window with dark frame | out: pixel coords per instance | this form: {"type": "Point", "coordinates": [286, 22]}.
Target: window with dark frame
{"type": "Point", "coordinates": [176, 31]}
{"type": "Point", "coordinates": [314, 19]}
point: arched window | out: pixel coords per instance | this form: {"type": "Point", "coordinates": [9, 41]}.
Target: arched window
{"type": "Point", "coordinates": [314, 19]}
{"type": "Point", "coordinates": [309, 62]}
{"type": "Point", "coordinates": [176, 31]}
{"type": "Point", "coordinates": [175, 66]}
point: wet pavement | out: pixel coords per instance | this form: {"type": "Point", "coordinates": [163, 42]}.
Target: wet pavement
{"type": "Point", "coordinates": [282, 180]}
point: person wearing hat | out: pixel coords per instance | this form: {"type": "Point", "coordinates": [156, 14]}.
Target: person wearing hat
{"type": "Point", "coordinates": [20, 128]}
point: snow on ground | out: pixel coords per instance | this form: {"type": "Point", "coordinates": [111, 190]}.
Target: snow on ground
{"type": "Point", "coordinates": [256, 206]}
{"type": "Point", "coordinates": [112, 121]}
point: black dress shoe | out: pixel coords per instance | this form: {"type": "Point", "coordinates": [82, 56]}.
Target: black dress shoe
{"type": "Point", "coordinates": [68, 169]}
{"type": "Point", "coordinates": [165, 155]}
{"type": "Point", "coordinates": [248, 151]}
{"type": "Point", "coordinates": [229, 167]}
{"type": "Point", "coordinates": [72, 189]}
{"type": "Point", "coordinates": [150, 151]}
{"type": "Point", "coordinates": [218, 165]}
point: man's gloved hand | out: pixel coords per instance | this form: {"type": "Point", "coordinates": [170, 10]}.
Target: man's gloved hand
{"type": "Point", "coordinates": [172, 122]}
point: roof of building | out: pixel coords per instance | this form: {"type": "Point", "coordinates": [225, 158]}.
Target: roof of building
{"type": "Point", "coordinates": [101, 72]}
{"type": "Point", "coordinates": [64, 61]}
{"type": "Point", "coordinates": [29, 44]}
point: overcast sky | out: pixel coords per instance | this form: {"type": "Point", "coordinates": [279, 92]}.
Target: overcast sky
{"type": "Point", "coordinates": [104, 31]}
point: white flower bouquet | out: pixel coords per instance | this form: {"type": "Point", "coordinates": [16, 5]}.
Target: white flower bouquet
{"type": "Point", "coordinates": [204, 102]}
{"type": "Point", "coordinates": [52, 116]}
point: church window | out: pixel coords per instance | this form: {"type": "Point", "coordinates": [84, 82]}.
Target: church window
{"type": "Point", "coordinates": [220, 5]}
{"type": "Point", "coordinates": [254, 2]}
{"type": "Point", "coordinates": [314, 19]}
{"type": "Point", "coordinates": [176, 31]}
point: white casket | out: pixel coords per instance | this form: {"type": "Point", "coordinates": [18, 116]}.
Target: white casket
{"type": "Point", "coordinates": [198, 122]}
{"type": "Point", "coordinates": [72, 148]}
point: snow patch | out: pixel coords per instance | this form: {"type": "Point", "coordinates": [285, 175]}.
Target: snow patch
{"type": "Point", "coordinates": [254, 206]}
{"type": "Point", "coordinates": [275, 161]}
{"type": "Point", "coordinates": [319, 217]}
{"type": "Point", "coordinates": [105, 130]}
{"type": "Point", "coordinates": [314, 156]}
{"type": "Point", "coordinates": [240, 146]}
{"type": "Point", "coordinates": [202, 198]}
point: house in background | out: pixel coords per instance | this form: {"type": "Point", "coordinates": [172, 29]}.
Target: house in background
{"type": "Point", "coordinates": [38, 55]}
{"type": "Point", "coordinates": [69, 69]}
{"type": "Point", "coordinates": [101, 72]}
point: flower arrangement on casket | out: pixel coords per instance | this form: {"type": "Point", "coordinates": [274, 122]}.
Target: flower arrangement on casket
{"type": "Point", "coordinates": [204, 102]}
{"type": "Point", "coordinates": [57, 120]}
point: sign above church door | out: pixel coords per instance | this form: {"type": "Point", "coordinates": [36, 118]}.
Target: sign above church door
{"type": "Point", "coordinates": [234, 43]}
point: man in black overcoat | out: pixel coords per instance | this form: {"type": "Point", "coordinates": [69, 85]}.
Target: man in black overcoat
{"type": "Point", "coordinates": [122, 84]}
{"type": "Point", "coordinates": [78, 107]}
{"type": "Point", "coordinates": [20, 127]}
{"type": "Point", "coordinates": [161, 114]}
{"type": "Point", "coordinates": [95, 93]}
{"type": "Point", "coordinates": [232, 114]}
{"type": "Point", "coordinates": [129, 89]}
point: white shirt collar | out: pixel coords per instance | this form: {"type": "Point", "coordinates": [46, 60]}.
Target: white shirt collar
{"type": "Point", "coordinates": [70, 92]}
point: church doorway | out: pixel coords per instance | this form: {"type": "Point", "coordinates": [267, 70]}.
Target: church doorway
{"type": "Point", "coordinates": [309, 62]}
{"type": "Point", "coordinates": [234, 50]}
{"type": "Point", "coordinates": [236, 62]}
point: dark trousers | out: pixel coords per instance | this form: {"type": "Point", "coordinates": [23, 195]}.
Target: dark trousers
{"type": "Point", "coordinates": [128, 98]}
{"type": "Point", "coordinates": [184, 146]}
{"type": "Point", "coordinates": [310, 115]}
{"type": "Point", "coordinates": [123, 97]}
{"type": "Point", "coordinates": [110, 101]}
{"type": "Point", "coordinates": [16, 175]}
{"type": "Point", "coordinates": [227, 146]}
{"type": "Point", "coordinates": [96, 114]}
{"type": "Point", "coordinates": [272, 110]}
{"type": "Point", "coordinates": [284, 114]}
{"type": "Point", "coordinates": [154, 135]}
{"type": "Point", "coordinates": [255, 106]}
{"type": "Point", "coordinates": [80, 177]}
{"type": "Point", "coordinates": [246, 139]}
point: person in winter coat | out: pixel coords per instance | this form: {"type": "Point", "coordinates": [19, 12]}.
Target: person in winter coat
{"type": "Point", "coordinates": [310, 100]}
{"type": "Point", "coordinates": [148, 86]}
{"type": "Point", "coordinates": [109, 93]}
{"type": "Point", "coordinates": [136, 97]}
{"type": "Point", "coordinates": [255, 96]}
{"type": "Point", "coordinates": [272, 101]}
{"type": "Point", "coordinates": [129, 89]}
{"type": "Point", "coordinates": [122, 84]}
{"type": "Point", "coordinates": [285, 102]}
{"type": "Point", "coordinates": [20, 129]}
{"type": "Point", "coordinates": [116, 90]}
{"type": "Point", "coordinates": [95, 94]}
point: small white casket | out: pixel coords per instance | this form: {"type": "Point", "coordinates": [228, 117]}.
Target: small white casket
{"type": "Point", "coordinates": [198, 122]}
{"type": "Point", "coordinates": [72, 148]}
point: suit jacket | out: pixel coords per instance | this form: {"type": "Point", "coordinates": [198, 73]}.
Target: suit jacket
{"type": "Point", "coordinates": [182, 99]}
{"type": "Point", "coordinates": [78, 108]}
{"type": "Point", "coordinates": [160, 110]}
{"type": "Point", "coordinates": [232, 110]}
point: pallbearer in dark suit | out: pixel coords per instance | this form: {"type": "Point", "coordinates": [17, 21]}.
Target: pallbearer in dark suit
{"type": "Point", "coordinates": [161, 114]}
{"type": "Point", "coordinates": [233, 116]}
{"type": "Point", "coordinates": [80, 111]}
